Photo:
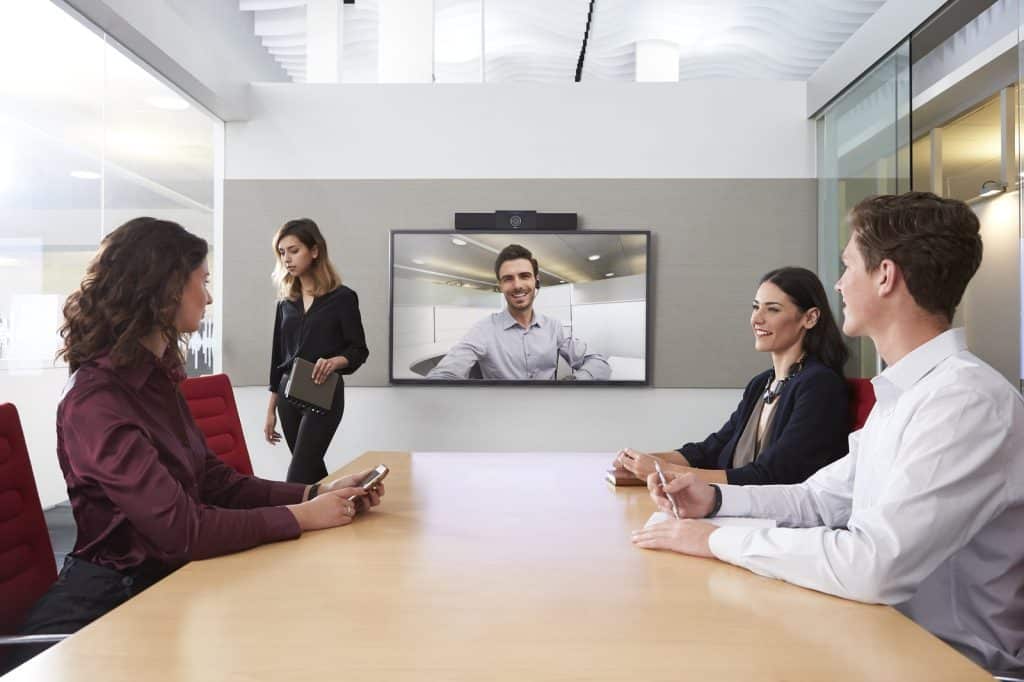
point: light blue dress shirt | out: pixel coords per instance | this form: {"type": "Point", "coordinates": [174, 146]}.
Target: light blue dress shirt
{"type": "Point", "coordinates": [505, 350]}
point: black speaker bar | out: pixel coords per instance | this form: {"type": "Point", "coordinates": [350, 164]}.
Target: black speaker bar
{"type": "Point", "coordinates": [517, 220]}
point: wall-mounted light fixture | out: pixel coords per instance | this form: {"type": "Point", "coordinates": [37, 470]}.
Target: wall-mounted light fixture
{"type": "Point", "coordinates": [990, 188]}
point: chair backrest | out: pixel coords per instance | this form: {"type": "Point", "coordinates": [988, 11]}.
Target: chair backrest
{"type": "Point", "coordinates": [212, 404]}
{"type": "Point", "coordinates": [27, 565]}
{"type": "Point", "coordinates": [862, 399]}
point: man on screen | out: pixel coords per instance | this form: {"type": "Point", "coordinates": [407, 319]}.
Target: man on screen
{"type": "Point", "coordinates": [519, 343]}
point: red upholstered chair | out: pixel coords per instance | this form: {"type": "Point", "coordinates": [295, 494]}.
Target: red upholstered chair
{"type": "Point", "coordinates": [862, 399]}
{"type": "Point", "coordinates": [27, 566]}
{"type": "Point", "coordinates": [212, 404]}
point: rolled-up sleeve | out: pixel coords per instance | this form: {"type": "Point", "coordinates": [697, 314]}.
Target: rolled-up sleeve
{"type": "Point", "coordinates": [461, 357]}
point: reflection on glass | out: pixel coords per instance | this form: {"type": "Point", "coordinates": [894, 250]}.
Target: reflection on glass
{"type": "Point", "coordinates": [863, 150]}
{"type": "Point", "coordinates": [452, 320]}
{"type": "Point", "coordinates": [88, 140]}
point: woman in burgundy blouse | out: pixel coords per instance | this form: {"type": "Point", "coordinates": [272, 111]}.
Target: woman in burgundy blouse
{"type": "Point", "coordinates": [147, 494]}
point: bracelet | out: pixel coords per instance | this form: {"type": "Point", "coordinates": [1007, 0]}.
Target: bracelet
{"type": "Point", "coordinates": [315, 488]}
{"type": "Point", "coordinates": [718, 501]}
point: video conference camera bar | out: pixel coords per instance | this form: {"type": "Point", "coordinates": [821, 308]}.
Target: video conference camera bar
{"type": "Point", "coordinates": [517, 220]}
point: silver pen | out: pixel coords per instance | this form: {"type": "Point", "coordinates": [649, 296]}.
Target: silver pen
{"type": "Point", "coordinates": [661, 477]}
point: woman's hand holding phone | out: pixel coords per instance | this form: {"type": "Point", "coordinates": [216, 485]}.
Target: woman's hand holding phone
{"type": "Point", "coordinates": [365, 496]}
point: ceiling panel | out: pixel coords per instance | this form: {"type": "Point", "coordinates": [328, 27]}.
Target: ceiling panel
{"type": "Point", "coordinates": [540, 40]}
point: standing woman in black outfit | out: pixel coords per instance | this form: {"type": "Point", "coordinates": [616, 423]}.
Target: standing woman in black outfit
{"type": "Point", "coordinates": [317, 320]}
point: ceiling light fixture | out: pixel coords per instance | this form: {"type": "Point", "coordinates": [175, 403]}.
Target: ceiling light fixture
{"type": "Point", "coordinates": [609, 274]}
{"type": "Point", "coordinates": [458, 242]}
{"type": "Point", "coordinates": [85, 175]}
{"type": "Point", "coordinates": [990, 188]}
{"type": "Point", "coordinates": [593, 258]}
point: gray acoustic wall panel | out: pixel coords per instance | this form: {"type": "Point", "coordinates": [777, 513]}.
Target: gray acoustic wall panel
{"type": "Point", "coordinates": [712, 239]}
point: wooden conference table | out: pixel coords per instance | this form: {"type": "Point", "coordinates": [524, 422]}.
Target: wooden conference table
{"type": "Point", "coordinates": [498, 567]}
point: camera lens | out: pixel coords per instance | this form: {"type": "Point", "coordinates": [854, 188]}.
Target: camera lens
{"type": "Point", "coordinates": [516, 221]}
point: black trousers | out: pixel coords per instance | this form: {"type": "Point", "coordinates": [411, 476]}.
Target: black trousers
{"type": "Point", "coordinates": [308, 435]}
{"type": "Point", "coordinates": [83, 592]}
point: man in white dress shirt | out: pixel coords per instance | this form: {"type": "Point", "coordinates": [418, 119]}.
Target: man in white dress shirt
{"type": "Point", "coordinates": [927, 511]}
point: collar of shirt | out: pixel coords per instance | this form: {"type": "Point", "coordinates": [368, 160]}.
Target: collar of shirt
{"type": "Point", "coordinates": [507, 321]}
{"type": "Point", "coordinates": [901, 377]}
{"type": "Point", "coordinates": [137, 375]}
{"type": "Point", "coordinates": [298, 302]}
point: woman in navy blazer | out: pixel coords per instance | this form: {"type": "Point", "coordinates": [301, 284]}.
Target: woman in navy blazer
{"type": "Point", "coordinates": [803, 422]}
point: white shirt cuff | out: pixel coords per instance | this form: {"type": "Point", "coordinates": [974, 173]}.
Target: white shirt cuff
{"type": "Point", "coordinates": [727, 543]}
{"type": "Point", "coordinates": [735, 501]}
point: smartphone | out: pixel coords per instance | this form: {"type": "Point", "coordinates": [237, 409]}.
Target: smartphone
{"type": "Point", "coordinates": [372, 479]}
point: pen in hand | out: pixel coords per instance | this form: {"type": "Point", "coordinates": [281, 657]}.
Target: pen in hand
{"type": "Point", "coordinates": [661, 478]}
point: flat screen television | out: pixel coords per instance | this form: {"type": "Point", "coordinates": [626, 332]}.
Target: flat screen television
{"type": "Point", "coordinates": [582, 321]}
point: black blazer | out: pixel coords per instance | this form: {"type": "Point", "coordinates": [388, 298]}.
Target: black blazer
{"type": "Point", "coordinates": [332, 326]}
{"type": "Point", "coordinates": [810, 427]}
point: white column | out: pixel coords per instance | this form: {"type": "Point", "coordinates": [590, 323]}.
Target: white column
{"type": "Point", "coordinates": [323, 41]}
{"type": "Point", "coordinates": [1007, 128]}
{"type": "Point", "coordinates": [938, 179]}
{"type": "Point", "coordinates": [406, 41]}
{"type": "Point", "coordinates": [657, 61]}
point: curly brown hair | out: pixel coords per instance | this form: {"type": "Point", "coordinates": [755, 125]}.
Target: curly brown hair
{"type": "Point", "coordinates": [133, 286]}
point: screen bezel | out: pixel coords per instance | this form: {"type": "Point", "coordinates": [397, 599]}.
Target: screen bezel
{"type": "Point", "coordinates": [517, 382]}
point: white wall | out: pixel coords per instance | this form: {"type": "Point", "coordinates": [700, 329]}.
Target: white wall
{"type": "Point", "coordinates": [35, 394]}
{"type": "Point", "coordinates": [991, 309]}
{"type": "Point", "coordinates": [886, 28]}
{"type": "Point", "coordinates": [693, 129]}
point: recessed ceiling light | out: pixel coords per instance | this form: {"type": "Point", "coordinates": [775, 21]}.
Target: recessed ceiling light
{"type": "Point", "coordinates": [562, 281]}
{"type": "Point", "coordinates": [458, 242]}
{"type": "Point", "coordinates": [594, 257]}
{"type": "Point", "coordinates": [167, 102]}
{"type": "Point", "coordinates": [85, 175]}
{"type": "Point", "coordinates": [609, 274]}
{"type": "Point", "coordinates": [417, 261]}
{"type": "Point", "coordinates": [6, 262]}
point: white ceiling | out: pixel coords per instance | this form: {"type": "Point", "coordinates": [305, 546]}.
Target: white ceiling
{"type": "Point", "coordinates": [540, 40]}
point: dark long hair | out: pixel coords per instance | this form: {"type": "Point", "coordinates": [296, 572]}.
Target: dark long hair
{"type": "Point", "coordinates": [823, 340]}
{"type": "Point", "coordinates": [133, 285]}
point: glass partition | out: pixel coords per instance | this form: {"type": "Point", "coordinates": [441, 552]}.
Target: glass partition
{"type": "Point", "coordinates": [863, 149]}
{"type": "Point", "coordinates": [88, 140]}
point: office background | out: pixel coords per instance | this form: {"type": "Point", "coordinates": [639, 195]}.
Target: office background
{"type": "Point", "coordinates": [733, 176]}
